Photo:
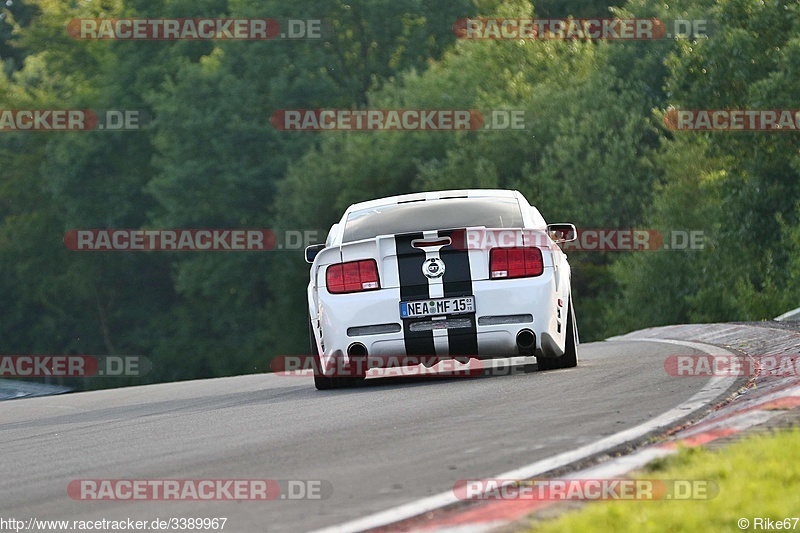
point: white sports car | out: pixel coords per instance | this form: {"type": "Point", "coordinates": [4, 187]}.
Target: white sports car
{"type": "Point", "coordinates": [448, 274]}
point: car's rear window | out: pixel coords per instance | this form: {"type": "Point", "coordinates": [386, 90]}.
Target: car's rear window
{"type": "Point", "coordinates": [432, 215]}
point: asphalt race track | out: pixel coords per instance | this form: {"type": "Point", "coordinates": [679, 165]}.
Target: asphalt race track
{"type": "Point", "coordinates": [390, 442]}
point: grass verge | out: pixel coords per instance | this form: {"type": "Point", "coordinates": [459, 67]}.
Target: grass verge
{"type": "Point", "coordinates": [758, 477]}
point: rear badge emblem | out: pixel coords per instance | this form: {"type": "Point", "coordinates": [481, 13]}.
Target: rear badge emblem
{"type": "Point", "coordinates": [433, 268]}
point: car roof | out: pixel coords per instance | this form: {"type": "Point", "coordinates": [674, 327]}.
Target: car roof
{"type": "Point", "coordinates": [434, 195]}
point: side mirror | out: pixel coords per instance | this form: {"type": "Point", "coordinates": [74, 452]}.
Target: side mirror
{"type": "Point", "coordinates": [312, 251]}
{"type": "Point", "coordinates": [562, 232]}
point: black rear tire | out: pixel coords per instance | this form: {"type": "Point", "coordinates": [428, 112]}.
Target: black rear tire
{"type": "Point", "coordinates": [569, 359]}
{"type": "Point", "coordinates": [321, 381]}
{"type": "Point", "coordinates": [324, 382]}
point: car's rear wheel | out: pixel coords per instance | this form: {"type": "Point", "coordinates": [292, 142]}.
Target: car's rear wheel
{"type": "Point", "coordinates": [569, 359]}
{"type": "Point", "coordinates": [321, 381]}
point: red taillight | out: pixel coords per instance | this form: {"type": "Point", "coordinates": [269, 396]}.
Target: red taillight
{"type": "Point", "coordinates": [354, 276]}
{"type": "Point", "coordinates": [507, 263]}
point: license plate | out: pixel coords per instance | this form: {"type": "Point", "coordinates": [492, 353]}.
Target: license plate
{"type": "Point", "coordinates": [437, 307]}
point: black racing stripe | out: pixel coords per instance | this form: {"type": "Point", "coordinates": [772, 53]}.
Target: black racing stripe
{"type": "Point", "coordinates": [457, 281]}
{"type": "Point", "coordinates": [413, 286]}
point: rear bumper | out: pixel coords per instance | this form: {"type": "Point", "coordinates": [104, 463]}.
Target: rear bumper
{"type": "Point", "coordinates": [503, 309]}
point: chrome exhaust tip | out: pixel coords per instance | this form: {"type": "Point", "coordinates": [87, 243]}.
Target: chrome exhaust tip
{"type": "Point", "coordinates": [357, 350]}
{"type": "Point", "coordinates": [526, 341]}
